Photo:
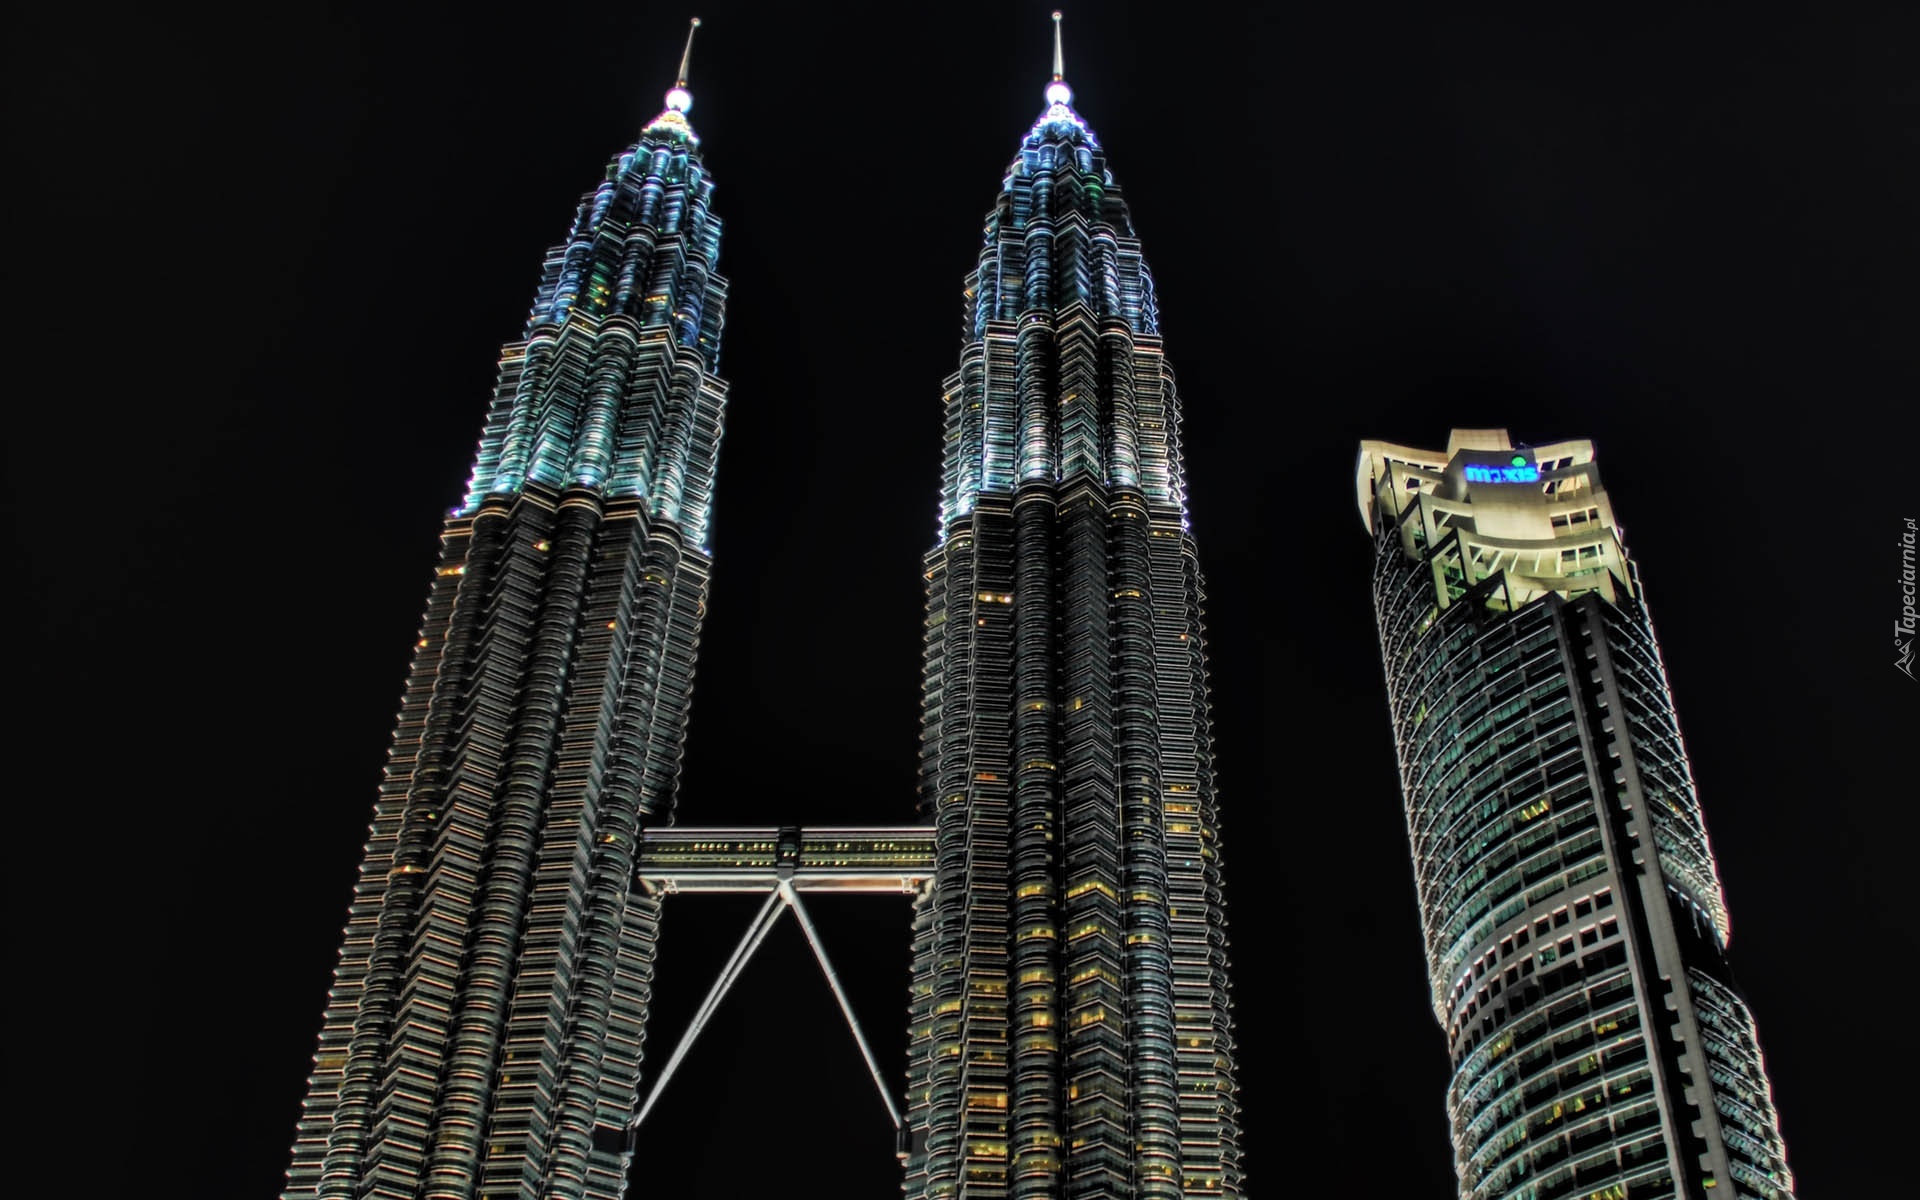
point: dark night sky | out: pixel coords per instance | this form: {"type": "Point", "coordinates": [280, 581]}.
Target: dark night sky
{"type": "Point", "coordinates": [264, 267]}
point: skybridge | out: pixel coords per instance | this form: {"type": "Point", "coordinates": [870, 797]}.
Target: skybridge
{"type": "Point", "coordinates": [782, 862]}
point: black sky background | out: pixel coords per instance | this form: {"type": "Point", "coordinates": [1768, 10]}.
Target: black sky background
{"type": "Point", "coordinates": [264, 263]}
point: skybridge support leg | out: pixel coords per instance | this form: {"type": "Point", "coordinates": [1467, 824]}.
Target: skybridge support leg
{"type": "Point", "coordinates": [846, 1007]}
{"type": "Point", "coordinates": [756, 933]}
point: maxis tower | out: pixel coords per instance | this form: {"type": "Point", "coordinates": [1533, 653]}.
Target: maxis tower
{"type": "Point", "coordinates": [1575, 930]}
{"type": "Point", "coordinates": [1070, 1029]}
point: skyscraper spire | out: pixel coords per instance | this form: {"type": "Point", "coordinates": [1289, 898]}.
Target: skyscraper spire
{"type": "Point", "coordinates": [686, 56]}
{"type": "Point", "coordinates": [684, 97]}
{"type": "Point", "coordinates": [1058, 92]}
{"type": "Point", "coordinates": [679, 100]}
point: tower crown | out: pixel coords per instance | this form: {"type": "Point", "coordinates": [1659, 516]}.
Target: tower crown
{"type": "Point", "coordinates": [1060, 287]}
{"type": "Point", "coordinates": [630, 305]}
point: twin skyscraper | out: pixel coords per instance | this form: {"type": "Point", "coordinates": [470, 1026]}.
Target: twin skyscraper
{"type": "Point", "coordinates": [1071, 1033]}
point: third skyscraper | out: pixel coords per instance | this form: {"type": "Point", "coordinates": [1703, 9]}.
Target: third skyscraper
{"type": "Point", "coordinates": [1575, 929]}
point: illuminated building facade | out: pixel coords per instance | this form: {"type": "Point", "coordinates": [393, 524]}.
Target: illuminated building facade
{"type": "Point", "coordinates": [483, 1033]}
{"type": "Point", "coordinates": [1070, 1025]}
{"type": "Point", "coordinates": [1575, 930]}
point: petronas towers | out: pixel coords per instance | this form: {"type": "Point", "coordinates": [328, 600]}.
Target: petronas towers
{"type": "Point", "coordinates": [1070, 1032]}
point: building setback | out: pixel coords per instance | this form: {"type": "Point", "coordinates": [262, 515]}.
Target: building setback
{"type": "Point", "coordinates": [1070, 1025]}
{"type": "Point", "coordinates": [482, 1036]}
{"type": "Point", "coordinates": [1575, 930]}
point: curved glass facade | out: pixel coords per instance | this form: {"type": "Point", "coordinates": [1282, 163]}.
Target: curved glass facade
{"type": "Point", "coordinates": [483, 1033]}
{"type": "Point", "coordinates": [1070, 1023]}
{"type": "Point", "coordinates": [1575, 928]}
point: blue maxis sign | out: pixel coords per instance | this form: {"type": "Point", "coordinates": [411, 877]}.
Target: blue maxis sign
{"type": "Point", "coordinates": [1519, 471]}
